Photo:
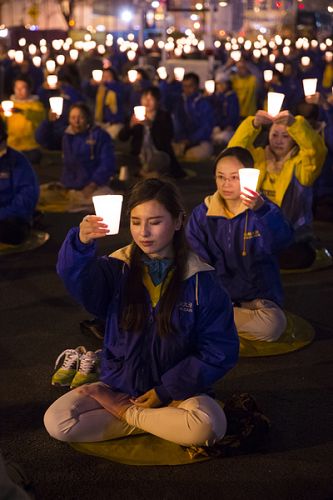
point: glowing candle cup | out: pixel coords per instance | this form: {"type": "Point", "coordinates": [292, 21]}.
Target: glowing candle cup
{"type": "Point", "coordinates": [109, 208]}
{"type": "Point", "coordinates": [274, 103]}
{"type": "Point", "coordinates": [140, 112]}
{"type": "Point", "coordinates": [162, 72]}
{"type": "Point", "coordinates": [97, 75]}
{"type": "Point", "coordinates": [179, 73]}
{"type": "Point", "coordinates": [52, 81]}
{"type": "Point", "coordinates": [268, 75]}
{"type": "Point", "coordinates": [309, 86]}
{"type": "Point", "coordinates": [7, 107]}
{"type": "Point", "coordinates": [50, 65]}
{"type": "Point", "coordinates": [248, 178]}
{"type": "Point", "coordinates": [210, 86]}
{"type": "Point", "coordinates": [305, 61]}
{"type": "Point", "coordinates": [132, 75]}
{"type": "Point", "coordinates": [56, 105]}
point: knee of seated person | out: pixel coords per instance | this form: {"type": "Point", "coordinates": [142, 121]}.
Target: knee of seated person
{"type": "Point", "coordinates": [275, 329]}
{"type": "Point", "coordinates": [208, 422]}
{"type": "Point", "coordinates": [53, 426]}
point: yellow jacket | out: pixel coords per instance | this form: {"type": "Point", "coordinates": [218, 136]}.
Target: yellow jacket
{"type": "Point", "coordinates": [245, 89]}
{"type": "Point", "coordinates": [21, 126]}
{"type": "Point", "coordinates": [299, 170]}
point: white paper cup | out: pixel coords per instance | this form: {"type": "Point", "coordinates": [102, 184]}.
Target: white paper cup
{"type": "Point", "coordinates": [108, 207]}
{"type": "Point", "coordinates": [140, 112]}
{"type": "Point", "coordinates": [274, 103]}
{"type": "Point", "coordinates": [268, 75]}
{"type": "Point", "coordinates": [179, 73]}
{"type": "Point", "coordinates": [248, 178]}
{"type": "Point", "coordinates": [210, 86]}
{"type": "Point", "coordinates": [52, 81]}
{"type": "Point", "coordinates": [56, 105]}
{"type": "Point", "coordinates": [7, 107]}
{"type": "Point", "coordinates": [162, 72]}
{"type": "Point", "coordinates": [309, 86]}
{"type": "Point", "coordinates": [305, 61]}
{"type": "Point", "coordinates": [132, 75]}
{"type": "Point", "coordinates": [97, 75]}
{"type": "Point", "coordinates": [279, 67]}
{"type": "Point", "coordinates": [50, 66]}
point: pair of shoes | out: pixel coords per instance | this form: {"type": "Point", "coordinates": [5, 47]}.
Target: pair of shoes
{"type": "Point", "coordinates": [79, 367]}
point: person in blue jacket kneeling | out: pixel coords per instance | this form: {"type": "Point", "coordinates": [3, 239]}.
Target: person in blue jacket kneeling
{"type": "Point", "coordinates": [19, 191]}
{"type": "Point", "coordinates": [169, 334]}
{"type": "Point", "coordinates": [240, 233]}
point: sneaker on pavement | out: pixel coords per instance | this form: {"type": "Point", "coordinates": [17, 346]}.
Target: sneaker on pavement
{"type": "Point", "coordinates": [65, 374]}
{"type": "Point", "coordinates": [88, 371]}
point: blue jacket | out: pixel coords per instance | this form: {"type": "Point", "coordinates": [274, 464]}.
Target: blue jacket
{"type": "Point", "coordinates": [19, 188]}
{"type": "Point", "coordinates": [226, 109]}
{"type": "Point", "coordinates": [243, 248]}
{"type": "Point", "coordinates": [193, 119]}
{"type": "Point", "coordinates": [177, 366]}
{"type": "Point", "coordinates": [87, 157]}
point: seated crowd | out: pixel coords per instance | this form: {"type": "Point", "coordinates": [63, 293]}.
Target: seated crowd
{"type": "Point", "coordinates": [176, 300]}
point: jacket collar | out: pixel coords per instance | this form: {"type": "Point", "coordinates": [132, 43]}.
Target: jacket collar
{"type": "Point", "coordinates": [217, 207]}
{"type": "Point", "coordinates": [194, 263]}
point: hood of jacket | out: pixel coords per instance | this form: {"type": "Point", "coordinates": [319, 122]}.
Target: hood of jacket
{"type": "Point", "coordinates": [217, 207]}
{"type": "Point", "coordinates": [194, 263]}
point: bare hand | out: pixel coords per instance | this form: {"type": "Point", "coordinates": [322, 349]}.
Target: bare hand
{"type": "Point", "coordinates": [284, 118]}
{"type": "Point", "coordinates": [262, 118]}
{"type": "Point", "coordinates": [148, 400]}
{"type": "Point", "coordinates": [52, 116]}
{"type": "Point", "coordinates": [92, 228]}
{"type": "Point", "coordinates": [252, 199]}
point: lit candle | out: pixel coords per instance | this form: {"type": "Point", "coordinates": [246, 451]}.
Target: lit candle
{"type": "Point", "coordinates": [210, 86]}
{"type": "Point", "coordinates": [305, 61]}
{"type": "Point", "coordinates": [109, 208]}
{"type": "Point", "coordinates": [309, 86]}
{"type": "Point", "coordinates": [179, 73]}
{"type": "Point", "coordinates": [248, 178]}
{"type": "Point", "coordinates": [74, 54]}
{"type": "Point", "coordinates": [97, 75]}
{"type": "Point", "coordinates": [162, 72]}
{"type": "Point", "coordinates": [50, 66]}
{"type": "Point", "coordinates": [140, 112]}
{"type": "Point", "coordinates": [279, 67]}
{"type": "Point", "coordinates": [37, 61]}
{"type": "Point", "coordinates": [56, 105]}
{"type": "Point", "coordinates": [274, 103]}
{"type": "Point", "coordinates": [60, 59]}
{"type": "Point", "coordinates": [7, 107]}
{"type": "Point", "coordinates": [19, 56]}
{"type": "Point", "coordinates": [268, 75]}
{"type": "Point", "coordinates": [132, 75]}
{"type": "Point", "coordinates": [52, 81]}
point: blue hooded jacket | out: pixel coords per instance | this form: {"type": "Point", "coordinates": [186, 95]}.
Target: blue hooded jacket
{"type": "Point", "coordinates": [242, 248]}
{"type": "Point", "coordinates": [19, 188]}
{"type": "Point", "coordinates": [87, 156]}
{"type": "Point", "coordinates": [178, 366]}
{"type": "Point", "coordinates": [193, 119]}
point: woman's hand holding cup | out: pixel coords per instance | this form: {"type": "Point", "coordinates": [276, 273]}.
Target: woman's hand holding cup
{"type": "Point", "coordinates": [92, 227]}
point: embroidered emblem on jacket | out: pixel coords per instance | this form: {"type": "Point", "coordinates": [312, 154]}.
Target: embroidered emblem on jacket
{"type": "Point", "coordinates": [252, 234]}
{"type": "Point", "coordinates": [186, 307]}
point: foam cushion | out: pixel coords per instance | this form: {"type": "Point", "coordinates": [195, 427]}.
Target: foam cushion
{"type": "Point", "coordinates": [323, 260]}
{"type": "Point", "coordinates": [298, 334]}
{"type": "Point", "coordinates": [141, 449]}
{"type": "Point", "coordinates": [35, 240]}
{"type": "Point", "coordinates": [54, 198]}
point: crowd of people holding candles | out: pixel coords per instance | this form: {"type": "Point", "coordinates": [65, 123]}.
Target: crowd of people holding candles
{"type": "Point", "coordinates": [265, 119]}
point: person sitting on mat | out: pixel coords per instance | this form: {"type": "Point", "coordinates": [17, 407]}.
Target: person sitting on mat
{"type": "Point", "coordinates": [88, 154]}
{"type": "Point", "coordinates": [169, 333]}
{"type": "Point", "coordinates": [289, 165]}
{"type": "Point", "coordinates": [19, 190]}
{"type": "Point", "coordinates": [240, 233]}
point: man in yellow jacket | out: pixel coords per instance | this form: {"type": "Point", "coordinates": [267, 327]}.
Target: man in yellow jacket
{"type": "Point", "coordinates": [27, 113]}
{"type": "Point", "coordinates": [289, 165]}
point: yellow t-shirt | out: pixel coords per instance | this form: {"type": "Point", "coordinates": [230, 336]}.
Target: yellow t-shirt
{"type": "Point", "coordinates": [155, 292]}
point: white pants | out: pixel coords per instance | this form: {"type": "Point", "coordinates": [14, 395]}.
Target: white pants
{"type": "Point", "coordinates": [260, 320]}
{"type": "Point", "coordinates": [196, 421]}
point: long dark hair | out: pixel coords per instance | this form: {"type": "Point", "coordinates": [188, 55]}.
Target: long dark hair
{"type": "Point", "coordinates": [135, 310]}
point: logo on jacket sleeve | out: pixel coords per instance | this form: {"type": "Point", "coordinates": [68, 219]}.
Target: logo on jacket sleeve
{"type": "Point", "coordinates": [186, 307]}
